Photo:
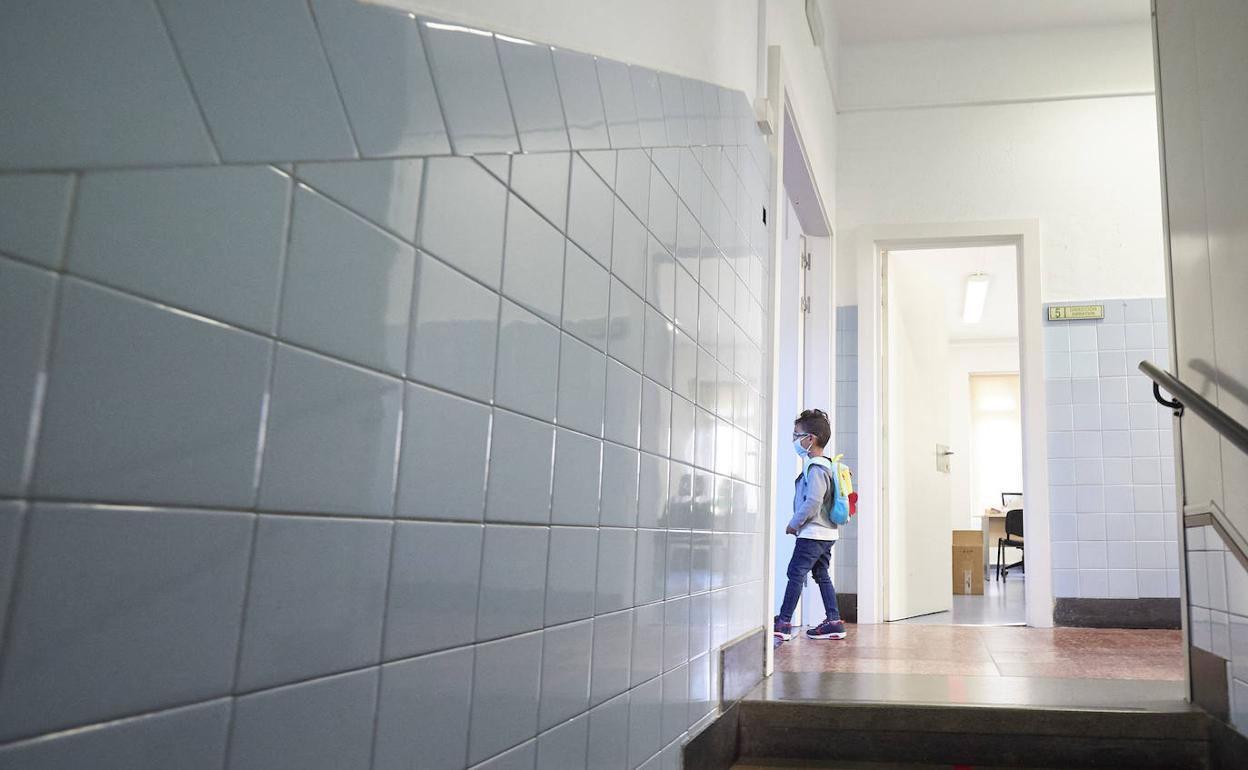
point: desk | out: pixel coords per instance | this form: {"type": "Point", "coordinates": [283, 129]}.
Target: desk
{"type": "Point", "coordinates": [993, 522]}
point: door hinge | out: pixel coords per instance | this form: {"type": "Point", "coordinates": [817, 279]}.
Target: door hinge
{"type": "Point", "coordinates": [805, 304]}
{"type": "Point", "coordinates": [806, 260]}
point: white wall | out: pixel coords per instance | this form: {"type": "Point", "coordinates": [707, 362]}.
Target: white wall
{"type": "Point", "coordinates": [705, 39]}
{"type": "Point", "coordinates": [1058, 126]}
{"type": "Point", "coordinates": [1040, 65]}
{"type": "Point", "coordinates": [1086, 169]}
{"type": "Point", "coordinates": [811, 89]}
{"type": "Point", "coordinates": [1075, 153]}
{"type": "Point", "coordinates": [710, 40]}
{"type": "Point", "coordinates": [1204, 64]}
{"type": "Point", "coordinates": [965, 359]}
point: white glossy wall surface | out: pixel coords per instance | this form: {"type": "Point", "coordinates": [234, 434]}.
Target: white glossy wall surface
{"type": "Point", "coordinates": [376, 393]}
{"type": "Point", "coordinates": [1203, 69]}
{"type": "Point", "coordinates": [1095, 60]}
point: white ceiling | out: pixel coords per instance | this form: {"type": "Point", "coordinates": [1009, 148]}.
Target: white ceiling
{"type": "Point", "coordinates": [874, 21]}
{"type": "Point", "coordinates": [946, 270]}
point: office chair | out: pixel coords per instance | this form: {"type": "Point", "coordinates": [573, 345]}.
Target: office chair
{"type": "Point", "coordinates": [1013, 526]}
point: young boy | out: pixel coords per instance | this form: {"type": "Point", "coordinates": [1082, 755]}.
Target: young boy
{"type": "Point", "coordinates": [816, 534]}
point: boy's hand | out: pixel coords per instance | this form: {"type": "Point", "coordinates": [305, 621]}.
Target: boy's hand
{"type": "Point", "coordinates": [790, 531]}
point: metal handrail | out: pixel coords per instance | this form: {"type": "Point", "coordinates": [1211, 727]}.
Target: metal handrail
{"type": "Point", "coordinates": [1186, 398]}
{"type": "Point", "coordinates": [1213, 516]}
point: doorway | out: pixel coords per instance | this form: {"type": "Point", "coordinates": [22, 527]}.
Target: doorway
{"type": "Point", "coordinates": [953, 435]}
{"type": "Point", "coordinates": [805, 355]}
{"type": "Point", "coordinates": [877, 249]}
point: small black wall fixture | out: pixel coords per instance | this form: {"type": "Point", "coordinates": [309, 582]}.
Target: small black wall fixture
{"type": "Point", "coordinates": [1175, 406]}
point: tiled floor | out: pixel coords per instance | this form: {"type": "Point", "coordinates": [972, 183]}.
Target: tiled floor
{"type": "Point", "coordinates": [1003, 603]}
{"type": "Point", "coordinates": [1077, 653]}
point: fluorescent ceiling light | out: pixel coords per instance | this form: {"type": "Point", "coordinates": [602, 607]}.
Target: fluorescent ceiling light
{"type": "Point", "coordinates": [976, 293]}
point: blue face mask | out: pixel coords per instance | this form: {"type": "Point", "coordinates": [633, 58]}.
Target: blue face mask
{"type": "Point", "coordinates": [801, 450]}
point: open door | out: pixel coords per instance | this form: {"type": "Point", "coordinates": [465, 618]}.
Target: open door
{"type": "Point", "coordinates": [917, 536]}
{"type": "Point", "coordinates": [789, 391]}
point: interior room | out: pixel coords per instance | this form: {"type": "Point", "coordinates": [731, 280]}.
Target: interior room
{"type": "Point", "coordinates": [968, 299]}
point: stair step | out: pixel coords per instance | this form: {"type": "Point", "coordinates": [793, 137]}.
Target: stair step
{"type": "Point", "coordinates": [781, 764]}
{"type": "Point", "coordinates": [855, 735]}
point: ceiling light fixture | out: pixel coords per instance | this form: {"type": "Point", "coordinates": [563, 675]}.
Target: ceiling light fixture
{"type": "Point", "coordinates": [976, 293]}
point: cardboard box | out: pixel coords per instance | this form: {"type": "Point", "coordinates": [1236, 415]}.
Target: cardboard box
{"type": "Point", "coordinates": [968, 562]}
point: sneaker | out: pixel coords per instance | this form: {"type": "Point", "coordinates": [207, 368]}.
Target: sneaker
{"type": "Point", "coordinates": [781, 630]}
{"type": "Point", "coordinates": [828, 629]}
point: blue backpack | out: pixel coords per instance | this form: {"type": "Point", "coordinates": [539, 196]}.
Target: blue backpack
{"type": "Point", "coordinates": [844, 501]}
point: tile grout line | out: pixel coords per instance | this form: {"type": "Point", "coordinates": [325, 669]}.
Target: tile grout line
{"type": "Point", "coordinates": [364, 518]}
{"type": "Point", "coordinates": [186, 77]}
{"type": "Point", "coordinates": [511, 110]}
{"type": "Point", "coordinates": [333, 78]}
{"type": "Point", "coordinates": [261, 443]}
{"type": "Point", "coordinates": [489, 469]}
{"type": "Point", "coordinates": [423, 36]}
{"type": "Point", "coordinates": [38, 402]}
{"type": "Point", "coordinates": [34, 434]}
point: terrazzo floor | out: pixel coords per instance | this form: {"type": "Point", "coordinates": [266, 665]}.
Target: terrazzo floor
{"type": "Point", "coordinates": [1073, 653]}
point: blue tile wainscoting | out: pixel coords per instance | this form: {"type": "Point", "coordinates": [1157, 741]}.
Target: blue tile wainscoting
{"type": "Point", "coordinates": [1110, 455]}
{"type": "Point", "coordinates": [845, 435]}
{"type": "Point", "coordinates": [375, 392]}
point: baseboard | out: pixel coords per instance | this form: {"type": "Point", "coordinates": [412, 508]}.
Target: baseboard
{"type": "Point", "coordinates": [848, 606]}
{"type": "Point", "coordinates": [715, 747]}
{"type": "Point", "coordinates": [1117, 613]}
{"type": "Point", "coordinates": [1227, 747]}
{"type": "Point", "coordinates": [1209, 683]}
{"type": "Point", "coordinates": [742, 662]}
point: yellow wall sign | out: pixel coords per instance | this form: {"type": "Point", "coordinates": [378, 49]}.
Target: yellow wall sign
{"type": "Point", "coordinates": [1076, 312]}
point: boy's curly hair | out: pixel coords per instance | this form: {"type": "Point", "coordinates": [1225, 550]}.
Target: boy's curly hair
{"type": "Point", "coordinates": [816, 423]}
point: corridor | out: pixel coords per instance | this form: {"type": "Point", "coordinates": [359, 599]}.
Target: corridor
{"type": "Point", "coordinates": [392, 384]}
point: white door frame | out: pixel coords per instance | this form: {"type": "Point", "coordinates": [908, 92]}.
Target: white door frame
{"type": "Point", "coordinates": [778, 107]}
{"type": "Point", "coordinates": [869, 243]}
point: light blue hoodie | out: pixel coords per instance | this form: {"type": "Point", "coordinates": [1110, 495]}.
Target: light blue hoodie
{"type": "Point", "coordinates": [811, 501]}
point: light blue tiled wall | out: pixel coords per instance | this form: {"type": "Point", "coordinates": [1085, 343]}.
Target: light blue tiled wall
{"type": "Point", "coordinates": [326, 445]}
{"type": "Point", "coordinates": [1110, 450]}
{"type": "Point", "coordinates": [845, 426]}
{"type": "Point", "coordinates": [1217, 596]}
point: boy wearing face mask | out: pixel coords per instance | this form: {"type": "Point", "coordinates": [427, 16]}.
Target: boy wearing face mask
{"type": "Point", "coordinates": [816, 534]}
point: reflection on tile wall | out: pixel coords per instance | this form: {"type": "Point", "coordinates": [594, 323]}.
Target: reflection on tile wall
{"type": "Point", "coordinates": [325, 441]}
{"type": "Point", "coordinates": [845, 425]}
{"type": "Point", "coordinates": [1218, 598]}
{"type": "Point", "coordinates": [1110, 450]}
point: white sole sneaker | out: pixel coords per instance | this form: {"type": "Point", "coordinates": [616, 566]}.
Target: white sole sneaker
{"type": "Point", "coordinates": [781, 636]}
{"type": "Point", "coordinates": [840, 635]}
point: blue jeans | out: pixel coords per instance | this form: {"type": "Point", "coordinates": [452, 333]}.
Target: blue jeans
{"type": "Point", "coordinates": [810, 556]}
